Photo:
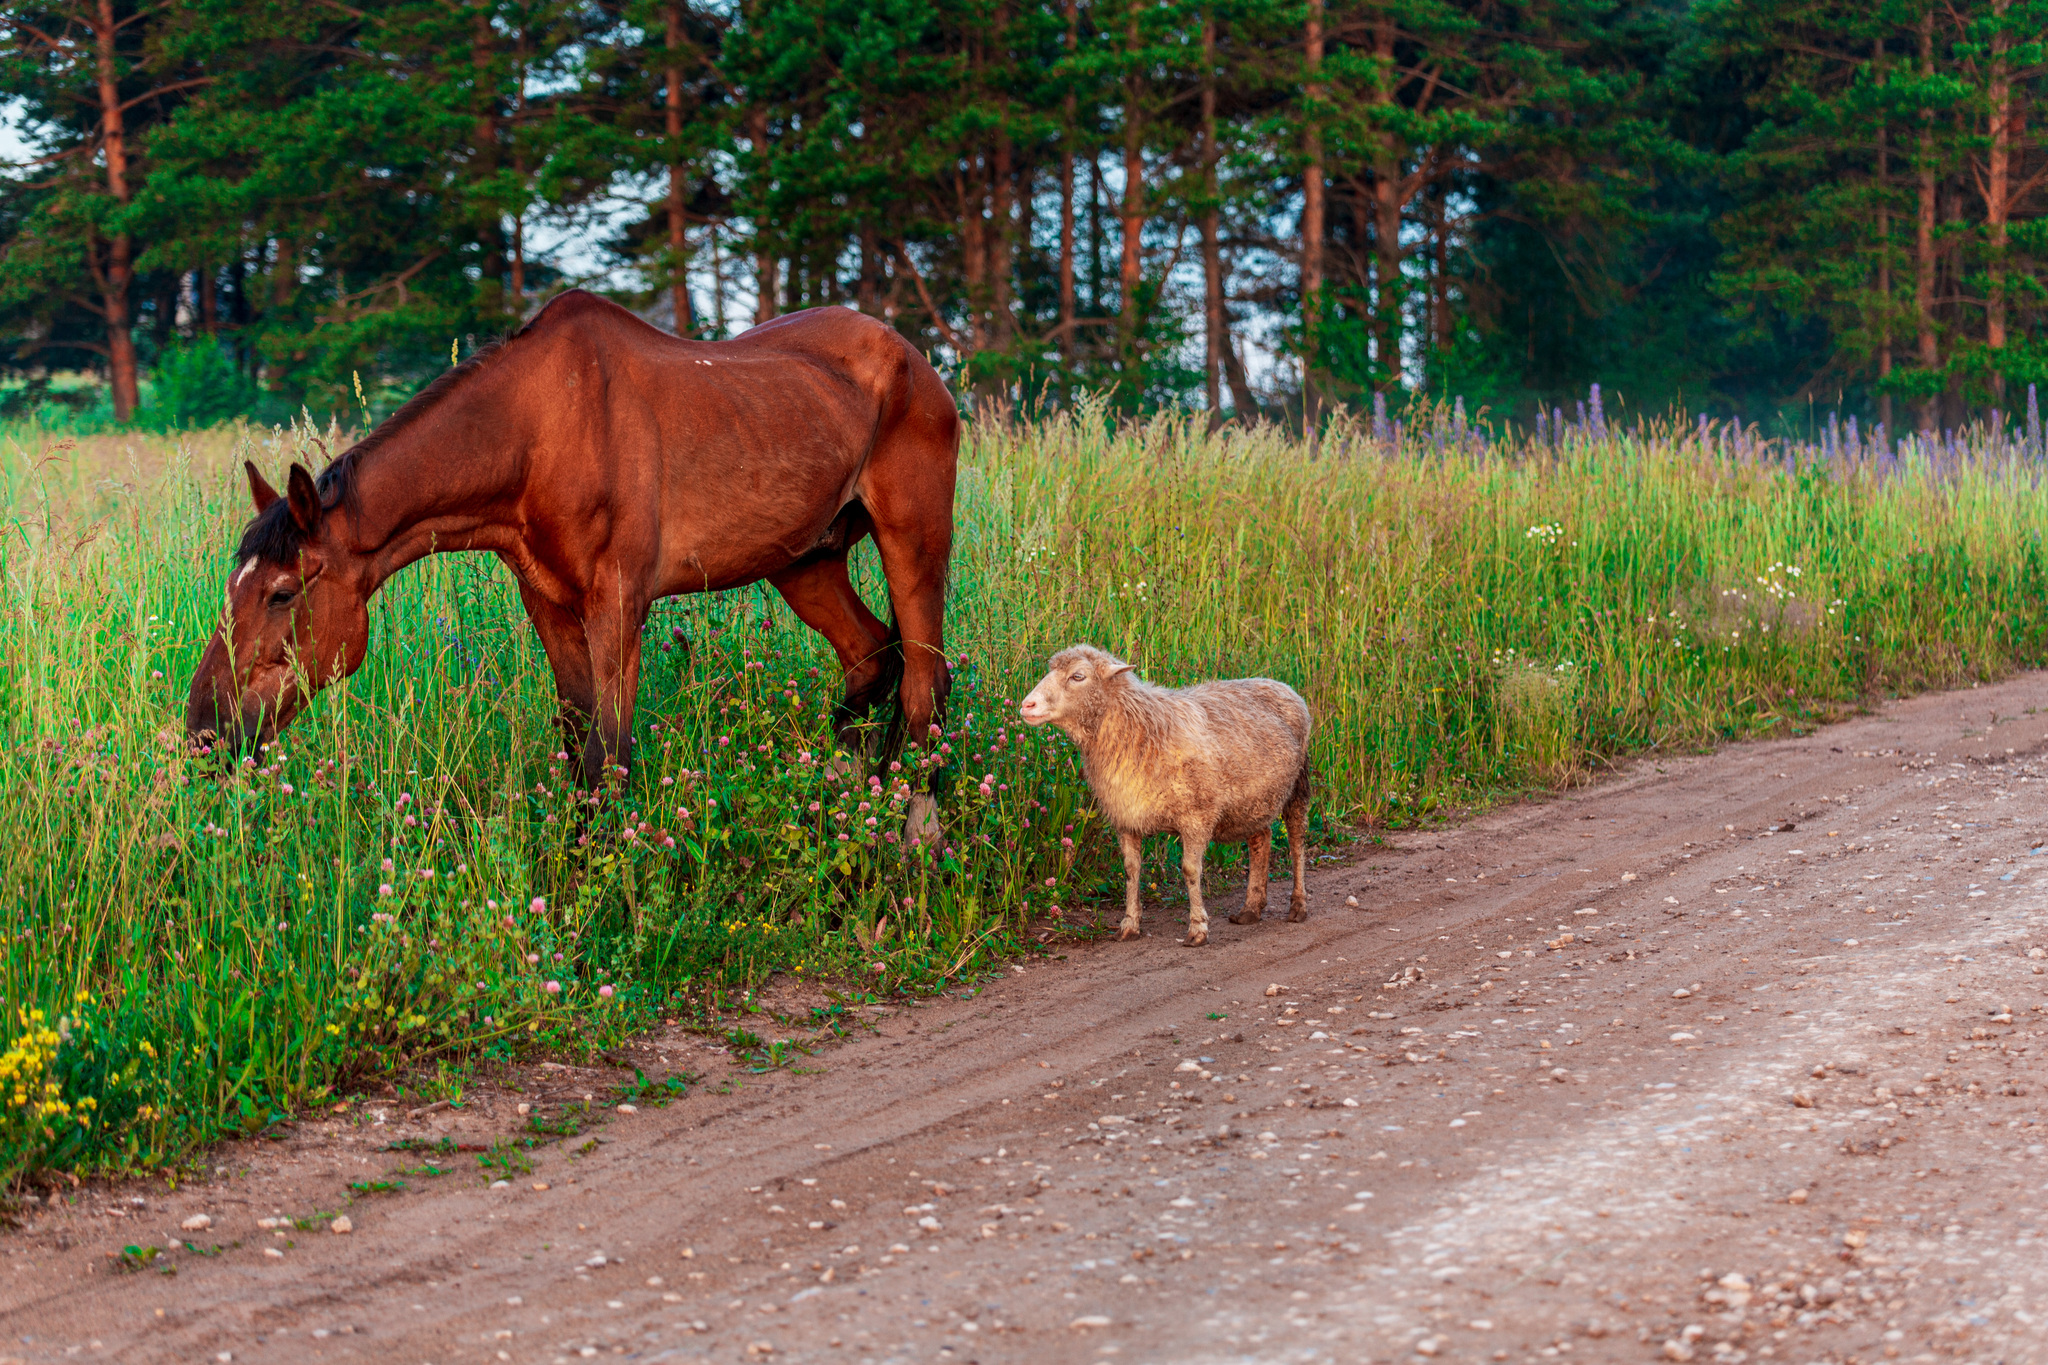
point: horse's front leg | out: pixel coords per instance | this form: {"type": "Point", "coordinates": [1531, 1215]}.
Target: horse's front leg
{"type": "Point", "coordinates": [612, 634]}
{"type": "Point", "coordinates": [562, 637]}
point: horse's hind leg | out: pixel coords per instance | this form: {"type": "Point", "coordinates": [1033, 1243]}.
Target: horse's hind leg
{"type": "Point", "coordinates": [910, 496]}
{"type": "Point", "coordinates": [907, 489]}
{"type": "Point", "coordinates": [916, 568]}
{"type": "Point", "coordinates": [822, 596]}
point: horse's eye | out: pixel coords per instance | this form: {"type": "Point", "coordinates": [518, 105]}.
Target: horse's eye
{"type": "Point", "coordinates": [282, 597]}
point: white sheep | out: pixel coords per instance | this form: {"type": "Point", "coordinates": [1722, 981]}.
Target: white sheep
{"type": "Point", "coordinates": [1219, 760]}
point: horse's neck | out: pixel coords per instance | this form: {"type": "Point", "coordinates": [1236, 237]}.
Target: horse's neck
{"type": "Point", "coordinates": [433, 487]}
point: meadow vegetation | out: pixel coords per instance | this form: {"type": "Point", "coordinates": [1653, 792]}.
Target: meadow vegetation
{"type": "Point", "coordinates": [406, 883]}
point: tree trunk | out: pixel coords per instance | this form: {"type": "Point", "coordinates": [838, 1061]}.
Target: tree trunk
{"type": "Point", "coordinates": [717, 285]}
{"type": "Point", "coordinates": [1998, 193]}
{"type": "Point", "coordinates": [518, 265]}
{"type": "Point", "coordinates": [485, 136]}
{"type": "Point", "coordinates": [1067, 132]}
{"type": "Point", "coordinates": [209, 301]}
{"type": "Point", "coordinates": [672, 113]}
{"type": "Point", "coordinates": [1950, 281]}
{"type": "Point", "coordinates": [1241, 396]}
{"type": "Point", "coordinates": [1130, 272]}
{"type": "Point", "coordinates": [284, 282]}
{"type": "Point", "coordinates": [970, 189]}
{"type": "Point", "coordinates": [1212, 248]}
{"type": "Point", "coordinates": [867, 292]}
{"type": "Point", "coordinates": [238, 290]}
{"type": "Point", "coordinates": [1923, 239]}
{"type": "Point", "coordinates": [764, 255]}
{"type": "Point", "coordinates": [1386, 198]}
{"type": "Point", "coordinates": [1002, 197]}
{"type": "Point", "coordinates": [1096, 194]}
{"type": "Point", "coordinates": [1024, 196]}
{"type": "Point", "coordinates": [1312, 219]}
{"type": "Point", "coordinates": [119, 271]}
{"type": "Point", "coordinates": [999, 231]}
{"type": "Point", "coordinates": [1884, 255]}
{"type": "Point", "coordinates": [1440, 328]}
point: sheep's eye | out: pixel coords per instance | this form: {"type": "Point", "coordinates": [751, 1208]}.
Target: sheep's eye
{"type": "Point", "coordinates": [1079, 678]}
{"type": "Point", "coordinates": [283, 597]}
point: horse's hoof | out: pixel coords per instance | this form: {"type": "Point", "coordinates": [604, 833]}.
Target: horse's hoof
{"type": "Point", "coordinates": [922, 824]}
{"type": "Point", "coordinates": [1245, 917]}
{"type": "Point", "coordinates": [1196, 939]}
{"type": "Point", "coordinates": [1297, 915]}
{"type": "Point", "coordinates": [1128, 931]}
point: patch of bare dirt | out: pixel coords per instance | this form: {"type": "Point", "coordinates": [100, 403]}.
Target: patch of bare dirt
{"type": "Point", "coordinates": [1729, 1059]}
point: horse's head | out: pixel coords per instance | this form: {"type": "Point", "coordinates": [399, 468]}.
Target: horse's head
{"type": "Point", "coordinates": [295, 618]}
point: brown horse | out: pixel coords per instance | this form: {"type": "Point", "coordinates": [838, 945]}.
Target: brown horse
{"type": "Point", "coordinates": [611, 464]}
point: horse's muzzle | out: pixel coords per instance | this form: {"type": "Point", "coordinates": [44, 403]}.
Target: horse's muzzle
{"type": "Point", "coordinates": [222, 730]}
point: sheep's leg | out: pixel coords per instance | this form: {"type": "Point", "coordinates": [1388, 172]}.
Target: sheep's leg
{"type": "Point", "coordinates": [1134, 869]}
{"type": "Point", "coordinates": [1193, 847]}
{"type": "Point", "coordinates": [1260, 850]}
{"type": "Point", "coordinates": [1295, 814]}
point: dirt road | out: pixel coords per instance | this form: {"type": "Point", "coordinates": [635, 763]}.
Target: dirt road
{"type": "Point", "coordinates": [1662, 1083]}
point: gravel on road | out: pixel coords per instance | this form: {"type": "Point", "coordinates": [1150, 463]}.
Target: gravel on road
{"type": "Point", "coordinates": [1724, 1058]}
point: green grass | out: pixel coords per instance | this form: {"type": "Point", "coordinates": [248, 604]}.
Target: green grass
{"type": "Point", "coordinates": [189, 955]}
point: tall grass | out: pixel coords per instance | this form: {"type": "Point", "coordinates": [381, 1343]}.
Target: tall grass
{"type": "Point", "coordinates": [1467, 615]}
{"type": "Point", "coordinates": [407, 878]}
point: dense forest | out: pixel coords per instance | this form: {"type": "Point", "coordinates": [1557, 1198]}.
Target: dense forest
{"type": "Point", "coordinates": [1279, 206]}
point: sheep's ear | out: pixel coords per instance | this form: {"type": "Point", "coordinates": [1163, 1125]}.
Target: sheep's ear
{"type": "Point", "coordinates": [1119, 670]}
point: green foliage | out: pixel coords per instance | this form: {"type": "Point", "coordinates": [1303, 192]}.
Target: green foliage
{"type": "Point", "coordinates": [1715, 205]}
{"type": "Point", "coordinates": [196, 385]}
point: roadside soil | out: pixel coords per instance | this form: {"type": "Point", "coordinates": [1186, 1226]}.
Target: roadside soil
{"type": "Point", "coordinates": [1723, 1058]}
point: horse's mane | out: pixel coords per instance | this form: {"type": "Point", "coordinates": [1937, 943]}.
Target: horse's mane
{"type": "Point", "coordinates": [275, 537]}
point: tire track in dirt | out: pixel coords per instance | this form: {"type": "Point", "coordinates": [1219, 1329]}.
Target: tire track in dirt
{"type": "Point", "coordinates": [1536, 1149]}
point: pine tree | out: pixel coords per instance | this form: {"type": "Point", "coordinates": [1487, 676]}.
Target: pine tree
{"type": "Point", "coordinates": [94, 77]}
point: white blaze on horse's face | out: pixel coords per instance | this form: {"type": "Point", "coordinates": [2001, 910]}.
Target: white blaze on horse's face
{"type": "Point", "coordinates": [235, 581]}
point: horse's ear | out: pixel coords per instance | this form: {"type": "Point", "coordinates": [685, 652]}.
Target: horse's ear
{"type": "Point", "coordinates": [259, 487]}
{"type": "Point", "coordinates": [305, 500]}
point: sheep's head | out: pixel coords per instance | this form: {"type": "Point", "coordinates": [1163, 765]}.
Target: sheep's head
{"type": "Point", "coordinates": [1075, 691]}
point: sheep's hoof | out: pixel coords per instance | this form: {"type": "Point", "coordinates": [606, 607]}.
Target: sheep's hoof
{"type": "Point", "coordinates": [1128, 931]}
{"type": "Point", "coordinates": [1195, 939]}
{"type": "Point", "coordinates": [1246, 917]}
{"type": "Point", "coordinates": [1297, 914]}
